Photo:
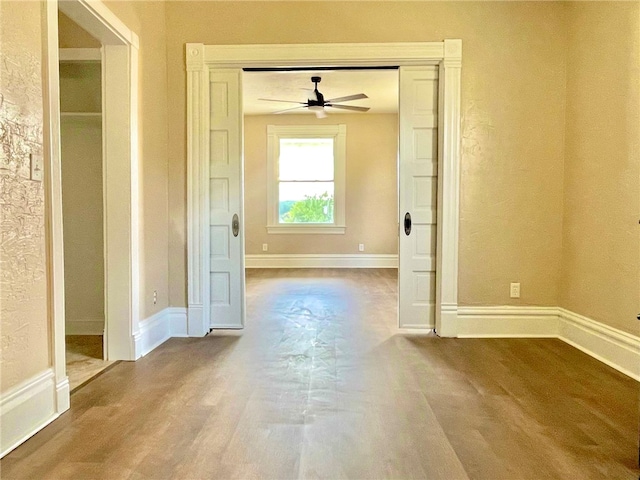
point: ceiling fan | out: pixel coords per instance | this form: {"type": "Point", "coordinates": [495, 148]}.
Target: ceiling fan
{"type": "Point", "coordinates": [316, 102]}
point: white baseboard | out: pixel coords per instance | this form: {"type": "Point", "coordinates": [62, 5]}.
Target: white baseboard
{"type": "Point", "coordinates": [321, 261]}
{"type": "Point", "coordinates": [158, 328]}
{"type": "Point", "coordinates": [86, 326]}
{"type": "Point", "coordinates": [26, 409]}
{"type": "Point", "coordinates": [178, 320]}
{"type": "Point", "coordinates": [496, 322]}
{"type": "Point", "coordinates": [616, 348]}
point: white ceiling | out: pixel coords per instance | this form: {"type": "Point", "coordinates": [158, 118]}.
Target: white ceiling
{"type": "Point", "coordinates": [381, 86]}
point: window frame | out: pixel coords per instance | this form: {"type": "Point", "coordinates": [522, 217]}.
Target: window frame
{"type": "Point", "coordinates": [336, 132]}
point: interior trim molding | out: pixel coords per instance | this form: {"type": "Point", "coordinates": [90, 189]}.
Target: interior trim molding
{"type": "Point", "coordinates": [27, 408]}
{"type": "Point", "coordinates": [71, 55]}
{"type": "Point", "coordinates": [321, 261]}
{"type": "Point", "coordinates": [616, 348]}
{"type": "Point", "coordinates": [158, 328]}
{"type": "Point", "coordinates": [84, 326]}
{"type": "Point", "coordinates": [507, 322]}
{"type": "Point", "coordinates": [200, 59]}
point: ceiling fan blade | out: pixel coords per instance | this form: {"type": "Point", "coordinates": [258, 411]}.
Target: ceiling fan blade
{"type": "Point", "coordinates": [286, 110]}
{"type": "Point", "coordinates": [348, 98]}
{"type": "Point", "coordinates": [283, 101]}
{"type": "Point", "coordinates": [350, 107]}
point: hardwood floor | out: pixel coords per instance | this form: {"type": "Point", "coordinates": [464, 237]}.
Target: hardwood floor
{"type": "Point", "coordinates": [322, 385]}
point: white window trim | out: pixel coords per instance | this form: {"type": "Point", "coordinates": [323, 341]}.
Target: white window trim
{"type": "Point", "coordinates": [339, 135]}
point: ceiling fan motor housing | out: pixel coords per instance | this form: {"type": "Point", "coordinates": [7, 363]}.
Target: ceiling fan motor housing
{"type": "Point", "coordinates": [319, 100]}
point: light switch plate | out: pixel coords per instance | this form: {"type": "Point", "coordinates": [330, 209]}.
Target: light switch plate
{"type": "Point", "coordinates": [37, 172]}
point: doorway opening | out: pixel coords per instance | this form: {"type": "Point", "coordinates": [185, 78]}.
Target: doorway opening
{"type": "Point", "coordinates": [111, 118]}
{"type": "Point", "coordinates": [310, 203]}
{"type": "Point", "coordinates": [214, 164]}
{"type": "Point", "coordinates": [81, 157]}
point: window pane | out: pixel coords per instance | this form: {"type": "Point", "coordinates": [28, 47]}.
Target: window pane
{"type": "Point", "coordinates": [306, 159]}
{"type": "Point", "coordinates": [305, 202]}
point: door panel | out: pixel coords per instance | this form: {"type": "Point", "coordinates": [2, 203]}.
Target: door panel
{"type": "Point", "coordinates": [226, 200]}
{"type": "Point", "coordinates": [418, 195]}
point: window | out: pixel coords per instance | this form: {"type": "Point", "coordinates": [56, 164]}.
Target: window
{"type": "Point", "coordinates": [306, 177]}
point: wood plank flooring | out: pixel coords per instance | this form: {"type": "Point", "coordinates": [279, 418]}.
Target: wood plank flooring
{"type": "Point", "coordinates": [322, 385]}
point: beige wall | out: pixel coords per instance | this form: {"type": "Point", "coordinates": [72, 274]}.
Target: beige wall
{"type": "Point", "coordinates": [600, 268]}
{"type": "Point", "coordinates": [82, 198]}
{"type": "Point", "coordinates": [513, 102]}
{"type": "Point", "coordinates": [80, 87]}
{"type": "Point", "coordinates": [147, 20]}
{"type": "Point", "coordinates": [71, 35]}
{"type": "Point", "coordinates": [23, 281]}
{"type": "Point", "coordinates": [371, 187]}
{"type": "Point", "coordinates": [81, 159]}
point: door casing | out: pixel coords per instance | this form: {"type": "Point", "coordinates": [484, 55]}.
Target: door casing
{"type": "Point", "coordinates": [201, 58]}
{"type": "Point", "coordinates": [120, 164]}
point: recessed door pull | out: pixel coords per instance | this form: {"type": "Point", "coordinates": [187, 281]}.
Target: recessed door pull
{"type": "Point", "coordinates": [235, 225]}
{"type": "Point", "coordinates": [407, 223]}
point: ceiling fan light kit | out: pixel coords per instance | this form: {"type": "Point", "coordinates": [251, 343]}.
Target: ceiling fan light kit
{"type": "Point", "coordinates": [317, 104]}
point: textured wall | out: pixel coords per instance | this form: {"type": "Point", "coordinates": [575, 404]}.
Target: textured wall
{"type": "Point", "coordinates": [600, 274]}
{"type": "Point", "coordinates": [23, 280]}
{"type": "Point", "coordinates": [513, 93]}
{"type": "Point", "coordinates": [371, 181]}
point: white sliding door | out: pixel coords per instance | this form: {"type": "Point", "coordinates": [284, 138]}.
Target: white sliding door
{"type": "Point", "coordinates": [226, 254]}
{"type": "Point", "coordinates": [418, 183]}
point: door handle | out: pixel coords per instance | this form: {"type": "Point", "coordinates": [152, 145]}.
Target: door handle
{"type": "Point", "coordinates": [235, 225]}
{"type": "Point", "coordinates": [407, 223]}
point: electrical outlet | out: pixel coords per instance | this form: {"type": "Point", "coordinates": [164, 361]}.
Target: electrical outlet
{"type": "Point", "coordinates": [361, 247]}
{"type": "Point", "coordinates": [515, 290]}
{"type": "Point", "coordinates": [155, 297]}
{"type": "Point", "coordinates": [265, 247]}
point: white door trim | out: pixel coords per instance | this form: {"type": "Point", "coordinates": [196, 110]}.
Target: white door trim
{"type": "Point", "coordinates": [447, 54]}
{"type": "Point", "coordinates": [120, 127]}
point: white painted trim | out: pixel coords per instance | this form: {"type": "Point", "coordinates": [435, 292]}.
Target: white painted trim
{"type": "Point", "coordinates": [153, 331]}
{"type": "Point", "coordinates": [82, 116]}
{"type": "Point", "coordinates": [85, 326]}
{"type": "Point", "coordinates": [158, 328]}
{"type": "Point", "coordinates": [63, 392]}
{"type": "Point", "coordinates": [421, 331]}
{"type": "Point", "coordinates": [178, 321]}
{"type": "Point", "coordinates": [321, 261]}
{"type": "Point", "coordinates": [448, 206]}
{"type": "Point", "coordinates": [447, 54]}
{"type": "Point", "coordinates": [53, 225]}
{"type": "Point", "coordinates": [321, 55]}
{"type": "Point", "coordinates": [100, 22]}
{"type": "Point", "coordinates": [27, 408]}
{"type": "Point", "coordinates": [198, 292]}
{"type": "Point", "coordinates": [616, 348]}
{"type": "Point", "coordinates": [69, 55]}
{"type": "Point", "coordinates": [507, 321]}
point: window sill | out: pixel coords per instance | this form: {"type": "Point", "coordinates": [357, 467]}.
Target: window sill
{"type": "Point", "coordinates": [307, 229]}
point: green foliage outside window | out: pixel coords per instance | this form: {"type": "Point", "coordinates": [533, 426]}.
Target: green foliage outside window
{"type": "Point", "coordinates": [313, 209]}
